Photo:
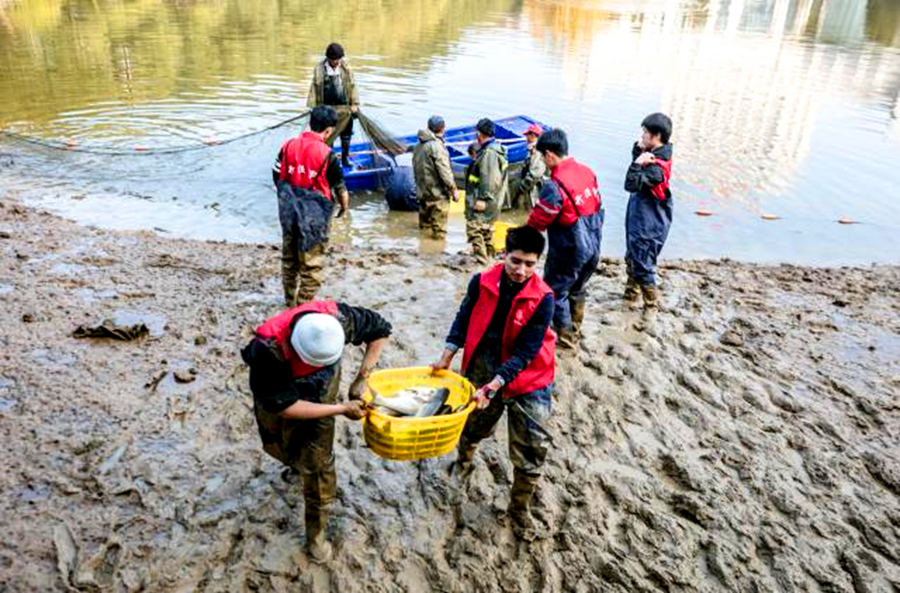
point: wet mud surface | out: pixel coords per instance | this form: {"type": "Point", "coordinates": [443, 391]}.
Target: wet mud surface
{"type": "Point", "coordinates": [746, 442]}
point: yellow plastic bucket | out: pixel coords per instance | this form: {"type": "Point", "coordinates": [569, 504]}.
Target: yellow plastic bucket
{"type": "Point", "coordinates": [500, 229]}
{"type": "Point", "coordinates": [460, 206]}
{"type": "Point", "coordinates": [416, 438]}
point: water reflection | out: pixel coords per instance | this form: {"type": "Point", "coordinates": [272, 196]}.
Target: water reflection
{"type": "Point", "coordinates": [96, 61]}
{"type": "Point", "coordinates": [788, 106]}
{"type": "Point", "coordinates": [745, 107]}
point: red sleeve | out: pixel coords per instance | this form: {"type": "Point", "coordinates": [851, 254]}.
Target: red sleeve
{"type": "Point", "coordinates": [548, 208]}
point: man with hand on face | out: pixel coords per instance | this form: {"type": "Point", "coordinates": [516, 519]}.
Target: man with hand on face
{"type": "Point", "coordinates": [295, 372]}
{"type": "Point", "coordinates": [503, 328]}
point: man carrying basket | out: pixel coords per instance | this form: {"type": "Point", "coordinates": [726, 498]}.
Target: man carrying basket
{"type": "Point", "coordinates": [503, 328]}
{"type": "Point", "coordinates": [295, 372]}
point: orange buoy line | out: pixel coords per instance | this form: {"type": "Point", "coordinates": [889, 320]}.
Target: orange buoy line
{"type": "Point", "coordinates": [770, 217]}
{"type": "Point", "coordinates": [704, 213]}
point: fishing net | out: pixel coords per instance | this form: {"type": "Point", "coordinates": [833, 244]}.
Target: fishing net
{"type": "Point", "coordinates": [380, 137]}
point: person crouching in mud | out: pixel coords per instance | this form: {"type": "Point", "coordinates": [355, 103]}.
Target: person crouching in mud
{"type": "Point", "coordinates": [295, 371]}
{"type": "Point", "coordinates": [503, 327]}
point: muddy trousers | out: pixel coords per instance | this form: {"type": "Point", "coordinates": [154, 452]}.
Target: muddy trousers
{"type": "Point", "coordinates": [308, 447]}
{"type": "Point", "coordinates": [433, 217]}
{"type": "Point", "coordinates": [301, 271]}
{"type": "Point", "coordinates": [647, 224]}
{"type": "Point", "coordinates": [480, 235]}
{"type": "Point", "coordinates": [528, 446]}
{"type": "Point", "coordinates": [569, 284]}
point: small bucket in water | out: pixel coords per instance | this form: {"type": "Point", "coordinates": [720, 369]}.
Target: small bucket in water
{"type": "Point", "coordinates": [500, 230]}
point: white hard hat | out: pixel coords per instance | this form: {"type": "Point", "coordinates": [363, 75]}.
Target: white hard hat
{"type": "Point", "coordinates": [318, 339]}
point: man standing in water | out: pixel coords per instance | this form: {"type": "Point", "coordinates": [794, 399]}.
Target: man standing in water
{"type": "Point", "coordinates": [333, 84]}
{"type": "Point", "coordinates": [295, 371]}
{"type": "Point", "coordinates": [486, 191]}
{"type": "Point", "coordinates": [503, 328]}
{"type": "Point", "coordinates": [434, 178]}
{"type": "Point", "coordinates": [649, 213]}
{"type": "Point", "coordinates": [311, 170]}
{"type": "Point", "coordinates": [570, 211]}
{"type": "Point", "coordinates": [525, 189]}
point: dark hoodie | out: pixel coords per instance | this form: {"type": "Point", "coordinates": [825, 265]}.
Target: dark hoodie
{"type": "Point", "coordinates": [642, 178]}
{"type": "Point", "coordinates": [647, 218]}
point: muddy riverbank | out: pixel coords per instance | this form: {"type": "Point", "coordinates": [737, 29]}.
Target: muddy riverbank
{"type": "Point", "coordinates": [748, 443]}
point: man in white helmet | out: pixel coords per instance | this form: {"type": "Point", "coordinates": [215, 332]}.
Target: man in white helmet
{"type": "Point", "coordinates": [295, 372]}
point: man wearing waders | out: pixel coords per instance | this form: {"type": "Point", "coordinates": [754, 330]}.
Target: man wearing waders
{"type": "Point", "coordinates": [295, 371]}
{"type": "Point", "coordinates": [509, 352]}
{"type": "Point", "coordinates": [333, 84]}
{"type": "Point", "coordinates": [486, 191]}
{"type": "Point", "coordinates": [435, 185]}
{"type": "Point", "coordinates": [649, 214]}
{"type": "Point", "coordinates": [524, 190]}
{"type": "Point", "coordinates": [569, 209]}
{"type": "Point", "coordinates": [308, 176]}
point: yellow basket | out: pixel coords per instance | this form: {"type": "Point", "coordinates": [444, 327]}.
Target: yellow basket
{"type": "Point", "coordinates": [416, 438]}
{"type": "Point", "coordinates": [460, 206]}
{"type": "Point", "coordinates": [500, 229]}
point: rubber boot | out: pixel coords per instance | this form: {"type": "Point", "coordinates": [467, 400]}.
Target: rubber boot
{"type": "Point", "coordinates": [566, 339]}
{"type": "Point", "coordinates": [462, 468]}
{"type": "Point", "coordinates": [632, 290]}
{"type": "Point", "coordinates": [345, 153]}
{"type": "Point", "coordinates": [651, 305]}
{"type": "Point", "coordinates": [317, 546]}
{"type": "Point", "coordinates": [519, 509]}
{"type": "Point", "coordinates": [577, 309]}
{"type": "Point", "coordinates": [651, 297]}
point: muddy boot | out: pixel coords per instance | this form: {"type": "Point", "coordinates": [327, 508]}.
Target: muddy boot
{"type": "Point", "coordinates": [651, 306]}
{"type": "Point", "coordinates": [463, 466]}
{"type": "Point", "coordinates": [318, 548]}
{"type": "Point", "coordinates": [651, 298]}
{"type": "Point", "coordinates": [519, 509]}
{"type": "Point", "coordinates": [577, 308]}
{"type": "Point", "coordinates": [345, 153]}
{"type": "Point", "coordinates": [566, 339]}
{"type": "Point", "coordinates": [632, 291]}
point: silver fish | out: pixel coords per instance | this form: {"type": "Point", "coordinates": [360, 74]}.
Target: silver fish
{"type": "Point", "coordinates": [419, 402]}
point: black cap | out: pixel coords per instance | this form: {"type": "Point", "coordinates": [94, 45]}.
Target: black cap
{"type": "Point", "coordinates": [485, 126]}
{"type": "Point", "coordinates": [334, 51]}
{"type": "Point", "coordinates": [436, 123]}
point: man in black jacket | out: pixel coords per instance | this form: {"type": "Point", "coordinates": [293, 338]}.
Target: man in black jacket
{"type": "Point", "coordinates": [295, 371]}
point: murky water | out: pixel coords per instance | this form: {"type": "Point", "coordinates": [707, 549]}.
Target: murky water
{"type": "Point", "coordinates": [783, 107]}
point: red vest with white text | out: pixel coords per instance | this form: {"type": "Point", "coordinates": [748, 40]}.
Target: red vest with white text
{"type": "Point", "coordinates": [277, 331]}
{"type": "Point", "coordinates": [540, 371]}
{"type": "Point", "coordinates": [581, 184]}
{"type": "Point", "coordinates": [303, 163]}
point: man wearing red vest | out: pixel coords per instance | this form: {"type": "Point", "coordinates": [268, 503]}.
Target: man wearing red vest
{"type": "Point", "coordinates": [649, 214]}
{"type": "Point", "coordinates": [503, 328]}
{"type": "Point", "coordinates": [295, 371]}
{"type": "Point", "coordinates": [569, 209]}
{"type": "Point", "coordinates": [308, 176]}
